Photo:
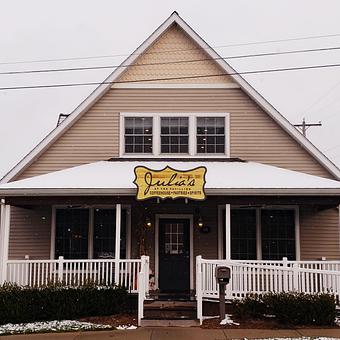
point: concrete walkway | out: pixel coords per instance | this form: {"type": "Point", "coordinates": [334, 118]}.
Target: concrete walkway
{"type": "Point", "coordinates": [182, 334]}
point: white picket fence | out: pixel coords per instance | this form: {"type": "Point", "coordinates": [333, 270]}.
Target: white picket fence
{"type": "Point", "coordinates": [266, 276]}
{"type": "Point", "coordinates": [133, 274]}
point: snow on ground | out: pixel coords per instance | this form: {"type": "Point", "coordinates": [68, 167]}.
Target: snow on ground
{"type": "Point", "coordinates": [50, 326]}
{"type": "Point", "coordinates": [228, 321]}
{"type": "Point", "coordinates": [124, 327]}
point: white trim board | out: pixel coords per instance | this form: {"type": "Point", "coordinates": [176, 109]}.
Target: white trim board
{"type": "Point", "coordinates": [190, 217]}
{"type": "Point", "coordinates": [174, 18]}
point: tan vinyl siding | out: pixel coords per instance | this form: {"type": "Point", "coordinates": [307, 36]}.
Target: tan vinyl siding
{"type": "Point", "coordinates": [253, 134]}
{"type": "Point", "coordinates": [319, 230]}
{"type": "Point", "coordinates": [30, 233]}
{"type": "Point", "coordinates": [168, 58]}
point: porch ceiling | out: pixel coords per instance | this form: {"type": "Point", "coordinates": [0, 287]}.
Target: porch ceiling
{"type": "Point", "coordinates": [224, 177]}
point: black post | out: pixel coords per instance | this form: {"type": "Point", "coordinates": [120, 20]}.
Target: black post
{"type": "Point", "coordinates": [222, 286]}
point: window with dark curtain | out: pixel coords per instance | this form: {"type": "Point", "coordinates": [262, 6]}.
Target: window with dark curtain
{"type": "Point", "coordinates": [278, 234]}
{"type": "Point", "coordinates": [243, 234]}
{"type": "Point", "coordinates": [104, 233]}
{"type": "Point", "coordinates": [72, 233]}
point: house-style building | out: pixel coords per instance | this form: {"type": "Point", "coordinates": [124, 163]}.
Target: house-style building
{"type": "Point", "coordinates": [172, 166]}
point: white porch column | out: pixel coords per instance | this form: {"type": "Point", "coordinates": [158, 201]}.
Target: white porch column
{"type": "Point", "coordinates": [227, 232]}
{"type": "Point", "coordinates": [4, 239]}
{"type": "Point", "coordinates": [117, 249]}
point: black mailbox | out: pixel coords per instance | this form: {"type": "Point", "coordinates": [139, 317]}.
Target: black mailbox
{"type": "Point", "coordinates": [222, 274]}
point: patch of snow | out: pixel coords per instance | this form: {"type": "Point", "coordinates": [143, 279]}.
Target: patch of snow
{"type": "Point", "coordinates": [49, 326]}
{"type": "Point", "coordinates": [125, 327]}
{"type": "Point", "coordinates": [228, 321]}
{"type": "Point", "coordinates": [236, 175]}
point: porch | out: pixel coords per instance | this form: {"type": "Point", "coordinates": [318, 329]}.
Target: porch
{"type": "Point", "coordinates": [79, 225]}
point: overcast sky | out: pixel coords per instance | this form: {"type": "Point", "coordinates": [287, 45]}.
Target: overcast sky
{"type": "Point", "coordinates": [44, 30]}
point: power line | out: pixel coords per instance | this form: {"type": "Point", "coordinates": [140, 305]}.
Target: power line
{"type": "Point", "coordinates": [172, 78]}
{"type": "Point", "coordinates": [170, 62]}
{"type": "Point", "coordinates": [333, 147]}
{"type": "Point", "coordinates": [167, 51]}
{"type": "Point", "coordinates": [318, 100]}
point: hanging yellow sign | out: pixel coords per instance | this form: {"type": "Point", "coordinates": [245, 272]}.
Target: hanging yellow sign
{"type": "Point", "coordinates": [170, 183]}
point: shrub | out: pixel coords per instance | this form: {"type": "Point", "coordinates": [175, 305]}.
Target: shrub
{"type": "Point", "coordinates": [251, 306]}
{"type": "Point", "coordinates": [302, 308]}
{"type": "Point", "coordinates": [289, 308]}
{"type": "Point", "coordinates": [24, 304]}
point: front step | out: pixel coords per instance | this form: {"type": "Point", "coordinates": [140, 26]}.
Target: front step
{"type": "Point", "coordinates": [170, 310]}
{"type": "Point", "coordinates": [169, 323]}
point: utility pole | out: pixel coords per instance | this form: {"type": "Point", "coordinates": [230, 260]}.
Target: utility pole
{"type": "Point", "coordinates": [305, 126]}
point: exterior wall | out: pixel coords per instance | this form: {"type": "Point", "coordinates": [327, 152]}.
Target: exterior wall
{"type": "Point", "coordinates": [30, 233]}
{"type": "Point", "coordinates": [319, 233]}
{"type": "Point", "coordinates": [253, 134]}
{"type": "Point", "coordinates": [164, 60]}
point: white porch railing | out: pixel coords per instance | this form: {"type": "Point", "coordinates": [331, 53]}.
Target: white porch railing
{"type": "Point", "coordinates": [266, 276]}
{"type": "Point", "coordinates": [131, 274]}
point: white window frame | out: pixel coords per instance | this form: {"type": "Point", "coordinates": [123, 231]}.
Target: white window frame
{"type": "Point", "coordinates": [90, 234]}
{"type": "Point", "coordinates": [296, 210]}
{"type": "Point", "coordinates": [156, 135]}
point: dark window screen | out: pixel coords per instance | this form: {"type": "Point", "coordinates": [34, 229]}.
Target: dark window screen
{"type": "Point", "coordinates": [72, 233]}
{"type": "Point", "coordinates": [278, 234]}
{"type": "Point", "coordinates": [104, 234]}
{"type": "Point", "coordinates": [243, 234]}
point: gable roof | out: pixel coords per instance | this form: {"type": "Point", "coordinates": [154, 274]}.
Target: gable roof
{"type": "Point", "coordinates": [174, 18]}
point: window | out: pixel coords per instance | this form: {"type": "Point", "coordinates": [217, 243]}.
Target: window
{"type": "Point", "coordinates": [72, 233]}
{"type": "Point", "coordinates": [73, 227]}
{"type": "Point", "coordinates": [174, 238]}
{"type": "Point", "coordinates": [210, 135]}
{"type": "Point", "coordinates": [138, 134]}
{"type": "Point", "coordinates": [174, 135]}
{"type": "Point", "coordinates": [276, 227]}
{"type": "Point", "coordinates": [104, 234]}
{"type": "Point", "coordinates": [278, 234]}
{"type": "Point", "coordinates": [243, 234]}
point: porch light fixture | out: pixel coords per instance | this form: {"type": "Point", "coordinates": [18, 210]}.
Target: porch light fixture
{"type": "Point", "coordinates": [200, 223]}
{"type": "Point", "coordinates": [148, 223]}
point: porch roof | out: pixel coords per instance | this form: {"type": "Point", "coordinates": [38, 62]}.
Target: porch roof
{"type": "Point", "coordinates": [223, 177]}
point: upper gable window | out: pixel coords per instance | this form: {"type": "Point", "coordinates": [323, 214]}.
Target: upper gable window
{"type": "Point", "coordinates": [210, 135]}
{"type": "Point", "coordinates": [174, 134]}
{"type": "Point", "coordinates": [138, 134]}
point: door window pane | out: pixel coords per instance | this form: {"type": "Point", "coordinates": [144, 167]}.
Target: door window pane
{"type": "Point", "coordinates": [104, 234]}
{"type": "Point", "coordinates": [278, 234]}
{"type": "Point", "coordinates": [174, 238]}
{"type": "Point", "coordinates": [72, 233]}
{"type": "Point", "coordinates": [174, 135]}
{"type": "Point", "coordinates": [138, 135]}
{"type": "Point", "coordinates": [210, 135]}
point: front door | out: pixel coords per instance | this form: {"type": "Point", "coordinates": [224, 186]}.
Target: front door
{"type": "Point", "coordinates": [174, 255]}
